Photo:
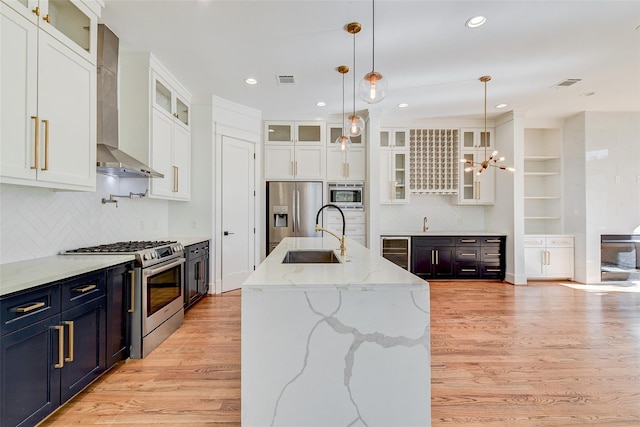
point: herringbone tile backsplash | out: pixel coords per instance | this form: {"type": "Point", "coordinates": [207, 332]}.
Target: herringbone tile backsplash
{"type": "Point", "coordinates": [38, 222]}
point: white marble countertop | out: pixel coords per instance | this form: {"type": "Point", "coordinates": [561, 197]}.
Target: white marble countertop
{"type": "Point", "coordinates": [187, 240]}
{"type": "Point", "coordinates": [22, 275]}
{"type": "Point", "coordinates": [439, 233]}
{"type": "Point", "coordinates": [362, 268]}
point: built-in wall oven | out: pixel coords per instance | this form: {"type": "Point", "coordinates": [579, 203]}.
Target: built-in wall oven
{"type": "Point", "coordinates": [346, 195]}
{"type": "Point", "coordinates": [157, 307]}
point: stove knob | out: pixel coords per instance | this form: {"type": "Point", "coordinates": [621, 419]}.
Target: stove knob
{"type": "Point", "coordinates": [154, 255]}
{"type": "Point", "coordinates": [146, 256]}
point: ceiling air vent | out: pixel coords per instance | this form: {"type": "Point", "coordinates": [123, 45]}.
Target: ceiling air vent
{"type": "Point", "coordinates": [286, 80]}
{"type": "Point", "coordinates": [567, 82]}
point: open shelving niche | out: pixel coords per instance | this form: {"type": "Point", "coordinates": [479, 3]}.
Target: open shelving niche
{"type": "Point", "coordinates": [543, 181]}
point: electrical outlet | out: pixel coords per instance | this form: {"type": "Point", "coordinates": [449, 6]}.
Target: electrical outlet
{"type": "Point", "coordinates": [618, 179]}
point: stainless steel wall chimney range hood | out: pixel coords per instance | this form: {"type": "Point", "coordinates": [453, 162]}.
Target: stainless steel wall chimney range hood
{"type": "Point", "coordinates": [110, 159]}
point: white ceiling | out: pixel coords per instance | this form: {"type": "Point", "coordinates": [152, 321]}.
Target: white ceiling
{"type": "Point", "coordinates": [432, 61]}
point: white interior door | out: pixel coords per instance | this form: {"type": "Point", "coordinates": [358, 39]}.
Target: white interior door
{"type": "Point", "coordinates": [238, 212]}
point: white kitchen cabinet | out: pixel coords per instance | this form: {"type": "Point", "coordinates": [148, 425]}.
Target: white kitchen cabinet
{"type": "Point", "coordinates": [312, 133]}
{"type": "Point", "coordinates": [155, 123]}
{"type": "Point", "coordinates": [335, 131]}
{"type": "Point", "coordinates": [346, 165]}
{"type": "Point", "coordinates": [394, 137]}
{"type": "Point", "coordinates": [355, 224]}
{"type": "Point", "coordinates": [476, 145]}
{"type": "Point", "coordinates": [48, 83]}
{"type": "Point", "coordinates": [549, 257]}
{"type": "Point", "coordinates": [294, 151]}
{"type": "Point", "coordinates": [171, 153]}
{"type": "Point", "coordinates": [543, 181]}
{"type": "Point", "coordinates": [433, 161]}
{"type": "Point", "coordinates": [393, 174]}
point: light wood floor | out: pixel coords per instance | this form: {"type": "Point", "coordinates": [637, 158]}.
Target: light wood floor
{"type": "Point", "coordinates": [537, 355]}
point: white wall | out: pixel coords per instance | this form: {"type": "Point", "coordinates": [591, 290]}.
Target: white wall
{"type": "Point", "coordinates": [612, 147]}
{"type": "Point", "coordinates": [606, 148]}
{"type": "Point", "coordinates": [38, 222]}
{"type": "Point", "coordinates": [194, 218]}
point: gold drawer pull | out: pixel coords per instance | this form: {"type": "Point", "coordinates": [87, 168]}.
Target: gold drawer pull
{"type": "Point", "coordinates": [493, 241]}
{"type": "Point", "coordinates": [85, 289]}
{"type": "Point", "coordinates": [493, 270]}
{"type": "Point", "coordinates": [492, 254]}
{"type": "Point", "coordinates": [60, 363]}
{"type": "Point", "coordinates": [468, 241]}
{"type": "Point", "coordinates": [30, 307]}
{"type": "Point", "coordinates": [69, 323]}
{"type": "Point", "coordinates": [467, 254]}
{"type": "Point", "coordinates": [468, 269]}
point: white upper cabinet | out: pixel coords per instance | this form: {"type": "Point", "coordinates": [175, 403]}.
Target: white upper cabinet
{"type": "Point", "coordinates": [394, 166]}
{"type": "Point", "coordinates": [294, 150]}
{"type": "Point", "coordinates": [48, 84]}
{"type": "Point", "coordinates": [309, 133]}
{"type": "Point", "coordinates": [476, 145]}
{"type": "Point", "coordinates": [155, 123]}
{"type": "Point", "coordinates": [345, 165]}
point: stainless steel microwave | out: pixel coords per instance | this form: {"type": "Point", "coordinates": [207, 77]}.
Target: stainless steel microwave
{"type": "Point", "coordinates": [347, 195]}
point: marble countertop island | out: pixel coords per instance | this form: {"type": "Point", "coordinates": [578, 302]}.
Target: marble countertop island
{"type": "Point", "coordinates": [343, 344]}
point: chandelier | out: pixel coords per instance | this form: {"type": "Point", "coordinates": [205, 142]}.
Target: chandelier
{"type": "Point", "coordinates": [493, 160]}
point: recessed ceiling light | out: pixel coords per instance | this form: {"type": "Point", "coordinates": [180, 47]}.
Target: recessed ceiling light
{"type": "Point", "coordinates": [321, 104]}
{"type": "Point", "coordinates": [501, 105]}
{"type": "Point", "coordinates": [476, 21]}
{"type": "Point", "coordinates": [250, 81]}
{"type": "Point", "coordinates": [403, 105]}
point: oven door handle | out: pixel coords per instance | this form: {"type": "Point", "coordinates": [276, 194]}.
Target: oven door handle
{"type": "Point", "coordinates": [165, 267]}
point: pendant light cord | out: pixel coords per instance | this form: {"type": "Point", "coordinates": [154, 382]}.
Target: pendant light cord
{"type": "Point", "coordinates": [354, 74]}
{"type": "Point", "coordinates": [343, 121]}
{"type": "Point", "coordinates": [373, 36]}
{"type": "Point", "coordinates": [484, 137]}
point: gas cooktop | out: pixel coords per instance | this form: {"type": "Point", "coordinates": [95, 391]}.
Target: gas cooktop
{"type": "Point", "coordinates": [147, 253]}
{"type": "Point", "coordinates": [124, 247]}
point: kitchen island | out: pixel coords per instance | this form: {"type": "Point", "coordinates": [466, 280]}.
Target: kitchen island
{"type": "Point", "coordinates": [341, 344]}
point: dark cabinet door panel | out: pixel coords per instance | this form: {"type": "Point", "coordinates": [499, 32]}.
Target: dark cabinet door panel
{"type": "Point", "coordinates": [29, 380]}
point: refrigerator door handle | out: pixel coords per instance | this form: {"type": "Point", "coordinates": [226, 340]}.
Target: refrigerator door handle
{"type": "Point", "coordinates": [298, 208]}
{"type": "Point", "coordinates": [294, 210]}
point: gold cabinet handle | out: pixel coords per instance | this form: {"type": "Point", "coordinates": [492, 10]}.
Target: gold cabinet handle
{"type": "Point", "coordinates": [46, 145]}
{"type": "Point", "coordinates": [29, 307]}
{"type": "Point", "coordinates": [60, 363]}
{"type": "Point", "coordinates": [47, 18]}
{"type": "Point", "coordinates": [132, 307]}
{"type": "Point", "coordinates": [467, 254]}
{"type": "Point", "coordinates": [36, 10]}
{"type": "Point", "coordinates": [36, 140]}
{"type": "Point", "coordinates": [468, 270]}
{"type": "Point", "coordinates": [69, 323]}
{"type": "Point", "coordinates": [175, 179]}
{"type": "Point", "coordinates": [85, 289]}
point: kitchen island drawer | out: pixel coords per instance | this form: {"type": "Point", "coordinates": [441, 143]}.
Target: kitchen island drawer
{"type": "Point", "coordinates": [468, 241]}
{"type": "Point", "coordinates": [28, 307]}
{"type": "Point", "coordinates": [83, 289]}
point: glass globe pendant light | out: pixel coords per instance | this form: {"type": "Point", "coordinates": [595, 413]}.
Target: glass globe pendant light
{"type": "Point", "coordinates": [343, 140]}
{"type": "Point", "coordinates": [354, 124]}
{"type": "Point", "coordinates": [373, 87]}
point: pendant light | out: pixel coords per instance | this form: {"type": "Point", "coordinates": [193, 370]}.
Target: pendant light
{"type": "Point", "coordinates": [343, 140]}
{"type": "Point", "coordinates": [493, 159]}
{"type": "Point", "coordinates": [354, 123]}
{"type": "Point", "coordinates": [373, 87]}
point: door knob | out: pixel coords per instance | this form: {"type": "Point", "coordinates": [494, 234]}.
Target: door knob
{"type": "Point", "coordinates": [226, 233]}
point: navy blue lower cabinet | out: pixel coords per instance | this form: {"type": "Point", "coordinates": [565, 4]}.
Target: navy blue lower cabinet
{"type": "Point", "coordinates": [84, 353]}
{"type": "Point", "coordinates": [52, 345]}
{"type": "Point", "coordinates": [29, 379]}
{"type": "Point", "coordinates": [120, 296]}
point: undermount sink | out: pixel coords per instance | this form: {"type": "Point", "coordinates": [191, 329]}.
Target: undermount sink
{"type": "Point", "coordinates": [310, 257]}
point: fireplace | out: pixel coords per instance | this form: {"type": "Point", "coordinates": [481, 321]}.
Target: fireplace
{"type": "Point", "coordinates": [620, 257]}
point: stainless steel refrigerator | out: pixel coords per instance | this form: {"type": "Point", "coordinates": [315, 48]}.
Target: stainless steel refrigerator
{"type": "Point", "coordinates": [291, 210]}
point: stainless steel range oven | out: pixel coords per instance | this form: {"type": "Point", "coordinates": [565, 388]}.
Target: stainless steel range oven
{"type": "Point", "coordinates": [158, 301]}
